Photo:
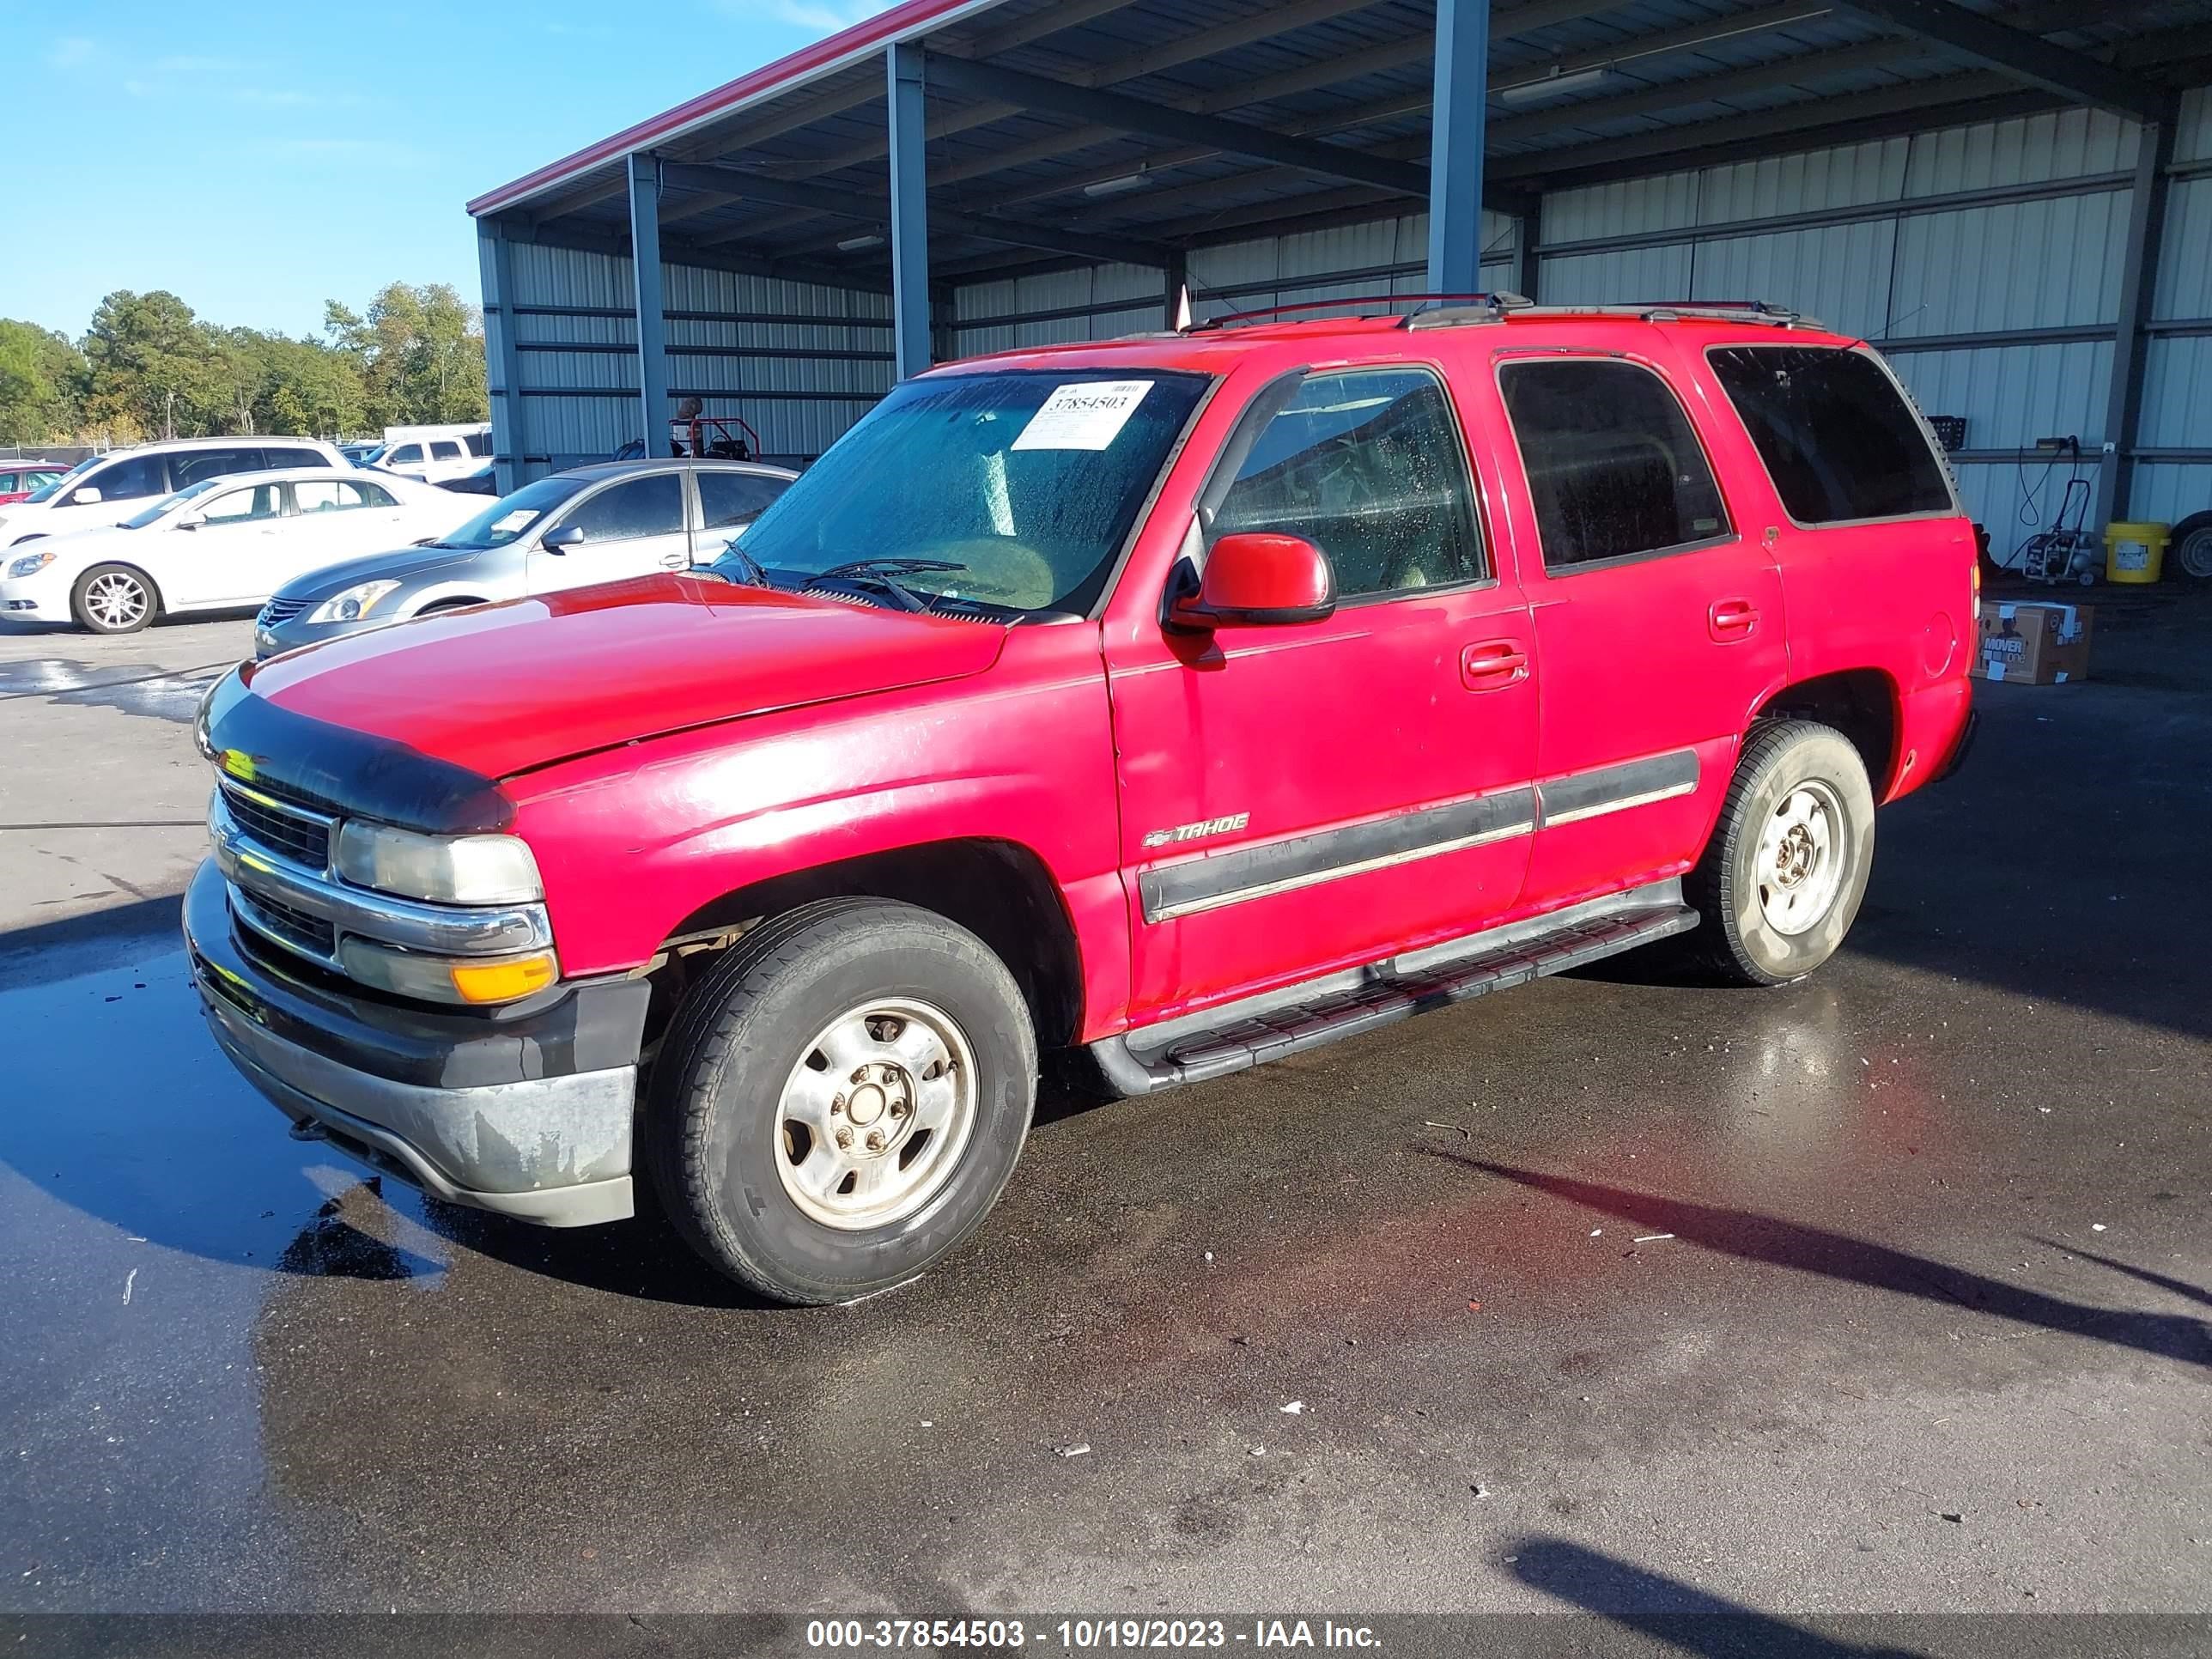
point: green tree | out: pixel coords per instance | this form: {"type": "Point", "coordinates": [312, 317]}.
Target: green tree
{"type": "Point", "coordinates": [154, 364]}
{"type": "Point", "coordinates": [421, 352]}
{"type": "Point", "coordinates": [312, 388]}
{"type": "Point", "coordinates": [42, 383]}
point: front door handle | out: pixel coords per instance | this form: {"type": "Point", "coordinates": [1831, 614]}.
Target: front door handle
{"type": "Point", "coordinates": [1493, 663]}
{"type": "Point", "coordinates": [675, 560]}
{"type": "Point", "coordinates": [1730, 620]}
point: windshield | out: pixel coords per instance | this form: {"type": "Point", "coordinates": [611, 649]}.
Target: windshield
{"type": "Point", "coordinates": [1028, 481]}
{"type": "Point", "coordinates": [146, 516]}
{"type": "Point", "coordinates": [370, 457]}
{"type": "Point", "coordinates": [47, 492]}
{"type": "Point", "coordinates": [512, 515]}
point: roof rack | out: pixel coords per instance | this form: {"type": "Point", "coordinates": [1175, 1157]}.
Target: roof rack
{"type": "Point", "coordinates": [1494, 302]}
{"type": "Point", "coordinates": [1655, 311]}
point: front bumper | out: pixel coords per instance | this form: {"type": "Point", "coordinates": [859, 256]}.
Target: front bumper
{"type": "Point", "coordinates": [25, 599]}
{"type": "Point", "coordinates": [526, 1114]}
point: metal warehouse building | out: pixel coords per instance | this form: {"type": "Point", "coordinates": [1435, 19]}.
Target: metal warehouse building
{"type": "Point", "coordinates": [2014, 201]}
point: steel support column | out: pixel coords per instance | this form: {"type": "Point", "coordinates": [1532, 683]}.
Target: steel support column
{"type": "Point", "coordinates": [909, 225]}
{"type": "Point", "coordinates": [2138, 291]}
{"type": "Point", "coordinates": [1463, 88]}
{"type": "Point", "coordinates": [509, 436]}
{"type": "Point", "coordinates": [652, 327]}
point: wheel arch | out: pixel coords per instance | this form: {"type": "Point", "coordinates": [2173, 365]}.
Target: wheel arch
{"type": "Point", "coordinates": [1864, 704]}
{"type": "Point", "coordinates": [1000, 890]}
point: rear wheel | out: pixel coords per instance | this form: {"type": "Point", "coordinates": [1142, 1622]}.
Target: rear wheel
{"type": "Point", "coordinates": [114, 599]}
{"type": "Point", "coordinates": [1781, 880]}
{"type": "Point", "coordinates": [841, 1101]}
{"type": "Point", "coordinates": [2192, 546]}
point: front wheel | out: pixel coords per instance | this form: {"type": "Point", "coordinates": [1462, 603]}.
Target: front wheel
{"type": "Point", "coordinates": [1781, 880]}
{"type": "Point", "coordinates": [114, 599]}
{"type": "Point", "coordinates": [841, 1100]}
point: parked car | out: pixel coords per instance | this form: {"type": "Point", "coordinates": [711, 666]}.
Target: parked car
{"type": "Point", "coordinates": [482, 479]}
{"type": "Point", "coordinates": [106, 489]}
{"type": "Point", "coordinates": [359, 453]}
{"type": "Point", "coordinates": [593, 524]}
{"type": "Point", "coordinates": [1185, 700]}
{"type": "Point", "coordinates": [19, 478]}
{"type": "Point", "coordinates": [433, 454]}
{"type": "Point", "coordinates": [219, 543]}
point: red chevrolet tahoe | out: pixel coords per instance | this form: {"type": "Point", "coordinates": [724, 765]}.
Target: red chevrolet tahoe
{"type": "Point", "coordinates": [1185, 701]}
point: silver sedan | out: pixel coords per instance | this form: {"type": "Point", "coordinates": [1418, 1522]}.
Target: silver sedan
{"type": "Point", "coordinates": [592, 524]}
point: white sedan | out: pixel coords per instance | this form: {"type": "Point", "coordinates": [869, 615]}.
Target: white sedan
{"type": "Point", "coordinates": [223, 543]}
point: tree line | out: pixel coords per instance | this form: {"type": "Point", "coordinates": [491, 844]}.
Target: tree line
{"type": "Point", "coordinates": [148, 369]}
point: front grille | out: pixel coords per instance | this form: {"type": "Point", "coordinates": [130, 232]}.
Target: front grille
{"type": "Point", "coordinates": [294, 928]}
{"type": "Point", "coordinates": [280, 611]}
{"type": "Point", "coordinates": [294, 836]}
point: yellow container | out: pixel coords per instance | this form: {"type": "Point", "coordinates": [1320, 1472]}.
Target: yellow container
{"type": "Point", "coordinates": [2135, 552]}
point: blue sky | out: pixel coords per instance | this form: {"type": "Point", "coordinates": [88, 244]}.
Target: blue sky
{"type": "Point", "coordinates": [258, 160]}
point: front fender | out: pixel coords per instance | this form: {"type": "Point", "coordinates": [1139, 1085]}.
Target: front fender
{"type": "Point", "coordinates": [634, 841]}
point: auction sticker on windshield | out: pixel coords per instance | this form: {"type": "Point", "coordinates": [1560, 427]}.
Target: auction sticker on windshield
{"type": "Point", "coordinates": [1084, 414]}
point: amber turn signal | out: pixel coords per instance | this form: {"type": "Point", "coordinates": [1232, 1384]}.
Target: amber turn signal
{"type": "Point", "coordinates": [503, 982]}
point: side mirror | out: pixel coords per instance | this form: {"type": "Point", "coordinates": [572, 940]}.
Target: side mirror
{"type": "Point", "coordinates": [189, 524]}
{"type": "Point", "coordinates": [1256, 578]}
{"type": "Point", "coordinates": [85, 496]}
{"type": "Point", "coordinates": [560, 539]}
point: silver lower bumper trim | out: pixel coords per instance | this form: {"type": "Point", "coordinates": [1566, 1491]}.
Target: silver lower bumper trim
{"type": "Point", "coordinates": [552, 1150]}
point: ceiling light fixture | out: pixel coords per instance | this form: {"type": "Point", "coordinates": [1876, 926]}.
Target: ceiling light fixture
{"type": "Point", "coordinates": [854, 244]}
{"type": "Point", "coordinates": [1114, 187]}
{"type": "Point", "coordinates": [1527, 91]}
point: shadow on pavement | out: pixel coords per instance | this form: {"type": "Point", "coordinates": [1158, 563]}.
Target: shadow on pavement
{"type": "Point", "coordinates": [47, 950]}
{"type": "Point", "coordinates": [1756, 1237]}
{"type": "Point", "coordinates": [1667, 1610]}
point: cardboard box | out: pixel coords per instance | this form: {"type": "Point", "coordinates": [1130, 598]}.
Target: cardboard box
{"type": "Point", "coordinates": [2032, 641]}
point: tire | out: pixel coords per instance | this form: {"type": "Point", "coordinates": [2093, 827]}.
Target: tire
{"type": "Point", "coordinates": [2190, 552]}
{"type": "Point", "coordinates": [1762, 925]}
{"type": "Point", "coordinates": [114, 598]}
{"type": "Point", "coordinates": [734, 1139]}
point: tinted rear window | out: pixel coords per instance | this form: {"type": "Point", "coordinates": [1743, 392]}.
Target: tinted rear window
{"type": "Point", "coordinates": [1838, 440]}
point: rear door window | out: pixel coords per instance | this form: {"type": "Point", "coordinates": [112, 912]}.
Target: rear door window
{"type": "Point", "coordinates": [1614, 467]}
{"type": "Point", "coordinates": [190, 466]}
{"type": "Point", "coordinates": [730, 499]}
{"type": "Point", "coordinates": [445, 449]}
{"type": "Point", "coordinates": [1838, 440]}
{"type": "Point", "coordinates": [274, 458]}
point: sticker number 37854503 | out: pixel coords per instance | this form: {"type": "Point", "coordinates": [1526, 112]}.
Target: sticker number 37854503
{"type": "Point", "coordinates": [1083, 415]}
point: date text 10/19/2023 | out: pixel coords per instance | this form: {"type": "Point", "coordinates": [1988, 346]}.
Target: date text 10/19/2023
{"type": "Point", "coordinates": [1085, 1635]}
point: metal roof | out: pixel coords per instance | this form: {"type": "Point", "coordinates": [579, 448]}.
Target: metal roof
{"type": "Point", "coordinates": [1105, 129]}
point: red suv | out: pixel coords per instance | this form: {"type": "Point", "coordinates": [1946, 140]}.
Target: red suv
{"type": "Point", "coordinates": [1187, 700]}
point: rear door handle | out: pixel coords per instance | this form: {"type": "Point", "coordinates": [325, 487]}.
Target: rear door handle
{"type": "Point", "coordinates": [1492, 664]}
{"type": "Point", "coordinates": [1732, 619]}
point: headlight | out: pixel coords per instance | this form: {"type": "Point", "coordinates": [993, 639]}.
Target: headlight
{"type": "Point", "coordinates": [353, 605]}
{"type": "Point", "coordinates": [30, 564]}
{"type": "Point", "coordinates": [444, 869]}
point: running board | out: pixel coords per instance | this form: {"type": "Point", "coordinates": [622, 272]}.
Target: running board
{"type": "Point", "coordinates": [1254, 1031]}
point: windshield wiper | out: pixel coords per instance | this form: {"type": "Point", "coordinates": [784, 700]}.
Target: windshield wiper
{"type": "Point", "coordinates": [879, 573]}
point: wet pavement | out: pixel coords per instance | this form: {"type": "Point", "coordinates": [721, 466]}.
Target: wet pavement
{"type": "Point", "coordinates": [1890, 1290]}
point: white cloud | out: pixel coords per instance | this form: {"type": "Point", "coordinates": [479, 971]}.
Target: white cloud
{"type": "Point", "coordinates": [72, 51]}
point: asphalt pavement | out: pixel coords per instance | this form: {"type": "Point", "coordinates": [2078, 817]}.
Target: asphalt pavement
{"type": "Point", "coordinates": [1889, 1291]}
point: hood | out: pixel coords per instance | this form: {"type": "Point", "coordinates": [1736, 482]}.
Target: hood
{"type": "Point", "coordinates": [401, 564]}
{"type": "Point", "coordinates": [505, 688]}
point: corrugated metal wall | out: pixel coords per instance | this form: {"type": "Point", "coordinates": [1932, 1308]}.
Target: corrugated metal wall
{"type": "Point", "coordinates": [1348, 262]}
{"type": "Point", "coordinates": [1986, 260]}
{"type": "Point", "coordinates": [797, 361]}
{"type": "Point", "coordinates": [2003, 311]}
